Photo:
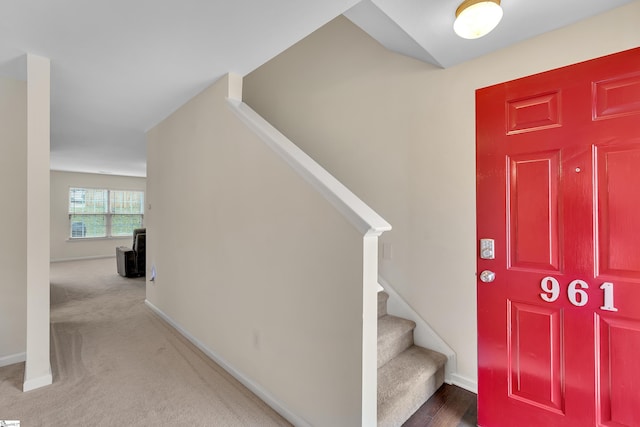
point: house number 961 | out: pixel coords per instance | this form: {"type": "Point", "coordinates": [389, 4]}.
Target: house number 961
{"type": "Point", "coordinates": [576, 292]}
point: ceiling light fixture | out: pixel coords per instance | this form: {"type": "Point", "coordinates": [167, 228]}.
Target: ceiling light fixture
{"type": "Point", "coordinates": [476, 18]}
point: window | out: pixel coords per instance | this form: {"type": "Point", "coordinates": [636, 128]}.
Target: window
{"type": "Point", "coordinates": [97, 212]}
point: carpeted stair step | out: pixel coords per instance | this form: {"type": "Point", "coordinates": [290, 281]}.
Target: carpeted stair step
{"type": "Point", "coordinates": [382, 303]}
{"type": "Point", "coordinates": [406, 382]}
{"type": "Point", "coordinates": [395, 335]}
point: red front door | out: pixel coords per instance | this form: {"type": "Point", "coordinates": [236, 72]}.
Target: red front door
{"type": "Point", "coordinates": [558, 193]}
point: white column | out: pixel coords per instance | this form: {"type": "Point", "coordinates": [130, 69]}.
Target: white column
{"type": "Point", "coordinates": [38, 366]}
{"type": "Point", "coordinates": [370, 329]}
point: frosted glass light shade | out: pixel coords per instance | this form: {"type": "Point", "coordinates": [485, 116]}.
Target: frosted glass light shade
{"type": "Point", "coordinates": [476, 18]}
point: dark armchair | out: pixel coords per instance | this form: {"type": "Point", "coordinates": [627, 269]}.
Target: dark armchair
{"type": "Point", "coordinates": [131, 261]}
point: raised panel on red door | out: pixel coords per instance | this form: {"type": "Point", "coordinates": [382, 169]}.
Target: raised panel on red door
{"type": "Point", "coordinates": [558, 177]}
{"type": "Point", "coordinates": [532, 188]}
{"type": "Point", "coordinates": [535, 364]}
{"type": "Point", "coordinates": [618, 198]}
{"type": "Point", "coordinates": [618, 385]}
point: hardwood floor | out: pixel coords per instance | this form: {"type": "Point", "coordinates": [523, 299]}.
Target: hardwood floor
{"type": "Point", "coordinates": [450, 406]}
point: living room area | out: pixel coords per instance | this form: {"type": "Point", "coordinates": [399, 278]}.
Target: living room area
{"type": "Point", "coordinates": [111, 357]}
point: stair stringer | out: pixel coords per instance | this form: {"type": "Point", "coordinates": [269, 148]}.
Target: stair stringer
{"type": "Point", "coordinates": [423, 334]}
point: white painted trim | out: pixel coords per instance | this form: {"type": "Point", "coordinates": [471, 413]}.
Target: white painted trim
{"type": "Point", "coordinates": [423, 335]}
{"type": "Point", "coordinates": [83, 258]}
{"type": "Point", "coordinates": [255, 388]}
{"type": "Point", "coordinates": [96, 239]}
{"type": "Point", "coordinates": [235, 87]}
{"type": "Point", "coordinates": [370, 331]}
{"type": "Point", "coordinates": [464, 382]}
{"type": "Point", "coordinates": [37, 372]}
{"type": "Point", "coordinates": [365, 219]}
{"type": "Point", "coordinates": [12, 358]}
{"type": "Point", "coordinates": [37, 382]}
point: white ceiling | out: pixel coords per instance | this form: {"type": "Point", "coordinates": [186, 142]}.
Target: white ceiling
{"type": "Point", "coordinates": [118, 67]}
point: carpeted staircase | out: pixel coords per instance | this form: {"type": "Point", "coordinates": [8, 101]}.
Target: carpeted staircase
{"type": "Point", "coordinates": [407, 374]}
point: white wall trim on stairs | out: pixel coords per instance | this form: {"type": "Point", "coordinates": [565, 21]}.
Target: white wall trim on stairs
{"type": "Point", "coordinates": [255, 388]}
{"type": "Point", "coordinates": [464, 382]}
{"type": "Point", "coordinates": [423, 335]}
{"type": "Point", "coordinates": [12, 358]}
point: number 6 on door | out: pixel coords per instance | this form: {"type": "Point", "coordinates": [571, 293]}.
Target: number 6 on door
{"type": "Point", "coordinates": [577, 294]}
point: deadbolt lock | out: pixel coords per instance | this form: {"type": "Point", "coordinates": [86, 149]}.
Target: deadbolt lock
{"type": "Point", "coordinates": [487, 249]}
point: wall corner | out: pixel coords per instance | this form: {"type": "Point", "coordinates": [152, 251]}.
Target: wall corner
{"type": "Point", "coordinates": [235, 86]}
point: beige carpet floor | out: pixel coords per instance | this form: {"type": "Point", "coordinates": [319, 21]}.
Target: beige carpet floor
{"type": "Point", "coordinates": [115, 363]}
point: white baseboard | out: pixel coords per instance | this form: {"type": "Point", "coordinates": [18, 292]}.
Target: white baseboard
{"type": "Point", "coordinates": [34, 383]}
{"type": "Point", "coordinates": [12, 358]}
{"type": "Point", "coordinates": [82, 258]}
{"type": "Point", "coordinates": [255, 388]}
{"type": "Point", "coordinates": [465, 383]}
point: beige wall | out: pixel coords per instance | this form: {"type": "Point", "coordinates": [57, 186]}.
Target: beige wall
{"type": "Point", "coordinates": [61, 247]}
{"type": "Point", "coordinates": [401, 135]}
{"type": "Point", "coordinates": [13, 227]}
{"type": "Point", "coordinates": [253, 263]}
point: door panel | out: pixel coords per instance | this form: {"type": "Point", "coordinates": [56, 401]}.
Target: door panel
{"type": "Point", "coordinates": [616, 97]}
{"type": "Point", "coordinates": [535, 364]}
{"type": "Point", "coordinates": [533, 113]}
{"type": "Point", "coordinates": [533, 214]}
{"type": "Point", "coordinates": [618, 175]}
{"type": "Point", "coordinates": [618, 382]}
{"type": "Point", "coordinates": [558, 189]}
